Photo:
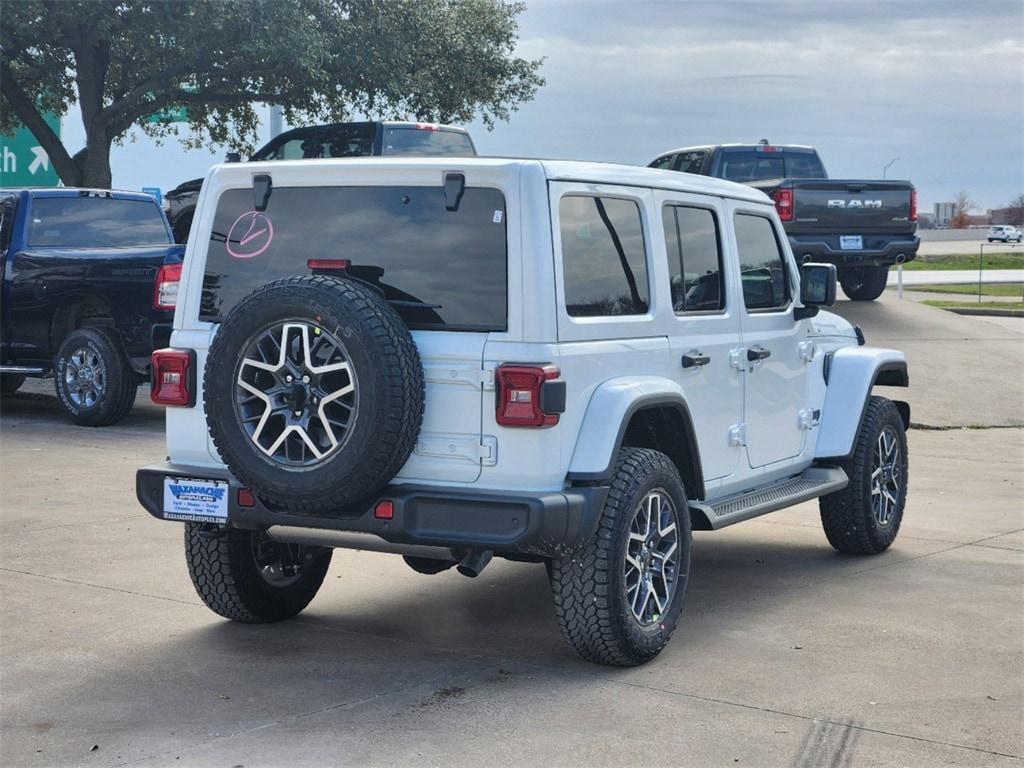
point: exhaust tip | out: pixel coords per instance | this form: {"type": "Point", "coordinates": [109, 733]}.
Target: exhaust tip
{"type": "Point", "coordinates": [805, 258]}
{"type": "Point", "coordinates": [473, 563]}
{"type": "Point", "coordinates": [900, 258]}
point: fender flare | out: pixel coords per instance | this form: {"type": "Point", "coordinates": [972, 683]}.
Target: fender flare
{"type": "Point", "coordinates": [851, 373]}
{"type": "Point", "coordinates": [608, 414]}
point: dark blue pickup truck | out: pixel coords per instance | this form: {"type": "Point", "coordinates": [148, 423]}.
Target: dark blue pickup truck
{"type": "Point", "coordinates": [90, 279]}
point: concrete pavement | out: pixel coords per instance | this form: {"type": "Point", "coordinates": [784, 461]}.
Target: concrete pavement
{"type": "Point", "coordinates": [788, 654]}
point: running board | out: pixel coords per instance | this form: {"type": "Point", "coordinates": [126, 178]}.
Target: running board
{"type": "Point", "coordinates": [20, 369]}
{"type": "Point", "coordinates": [814, 482]}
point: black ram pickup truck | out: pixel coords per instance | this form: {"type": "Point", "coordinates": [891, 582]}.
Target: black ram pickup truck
{"type": "Point", "coordinates": [89, 283]}
{"type": "Point", "coordinates": [863, 227]}
{"type": "Point", "coordinates": [334, 140]}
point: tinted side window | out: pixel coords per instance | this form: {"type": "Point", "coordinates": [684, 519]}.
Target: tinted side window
{"type": "Point", "coordinates": [425, 142]}
{"type": "Point", "coordinates": [7, 208]}
{"type": "Point", "coordinates": [664, 163]}
{"type": "Point", "coordinates": [313, 143]}
{"type": "Point", "coordinates": [691, 162]}
{"type": "Point", "coordinates": [603, 256]}
{"type": "Point", "coordinates": [96, 222]}
{"type": "Point", "coordinates": [694, 259]}
{"type": "Point", "coordinates": [762, 267]}
{"type": "Point", "coordinates": [439, 269]}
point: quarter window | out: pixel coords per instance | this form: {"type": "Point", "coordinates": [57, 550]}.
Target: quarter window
{"type": "Point", "coordinates": [694, 259]}
{"type": "Point", "coordinates": [603, 257]}
{"type": "Point", "coordinates": [762, 266]}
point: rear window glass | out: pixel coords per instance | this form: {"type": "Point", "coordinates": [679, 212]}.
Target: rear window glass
{"type": "Point", "coordinates": [315, 143]}
{"type": "Point", "coordinates": [753, 165]}
{"type": "Point", "coordinates": [603, 256]}
{"type": "Point", "coordinates": [440, 269]}
{"type": "Point", "coordinates": [427, 143]}
{"type": "Point", "coordinates": [691, 162]}
{"type": "Point", "coordinates": [96, 222]}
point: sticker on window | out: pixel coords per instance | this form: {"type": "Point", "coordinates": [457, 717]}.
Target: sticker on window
{"type": "Point", "coordinates": [497, 217]}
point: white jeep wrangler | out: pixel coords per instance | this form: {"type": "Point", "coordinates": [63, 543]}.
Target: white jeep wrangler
{"type": "Point", "coordinates": [449, 359]}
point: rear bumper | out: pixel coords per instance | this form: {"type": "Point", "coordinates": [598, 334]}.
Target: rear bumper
{"type": "Point", "coordinates": [879, 251]}
{"type": "Point", "coordinates": [541, 523]}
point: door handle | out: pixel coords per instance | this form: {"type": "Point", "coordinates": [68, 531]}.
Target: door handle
{"type": "Point", "coordinates": [758, 353]}
{"type": "Point", "coordinates": [695, 359]}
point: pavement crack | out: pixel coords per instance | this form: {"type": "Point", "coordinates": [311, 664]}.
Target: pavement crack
{"type": "Point", "coordinates": [99, 586]}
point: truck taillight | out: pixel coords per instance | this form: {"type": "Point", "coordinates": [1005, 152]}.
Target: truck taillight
{"type": "Point", "coordinates": [529, 395]}
{"type": "Point", "coordinates": [913, 205]}
{"type": "Point", "coordinates": [165, 289]}
{"type": "Point", "coordinates": [173, 377]}
{"type": "Point", "coordinates": [784, 203]}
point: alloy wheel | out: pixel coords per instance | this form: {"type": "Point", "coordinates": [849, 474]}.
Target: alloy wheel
{"type": "Point", "coordinates": [886, 476]}
{"type": "Point", "coordinates": [85, 377]}
{"type": "Point", "coordinates": [651, 569]}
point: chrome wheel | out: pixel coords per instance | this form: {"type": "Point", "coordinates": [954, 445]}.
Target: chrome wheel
{"type": "Point", "coordinates": [296, 393]}
{"type": "Point", "coordinates": [652, 558]}
{"type": "Point", "coordinates": [886, 476]}
{"type": "Point", "coordinates": [85, 377]}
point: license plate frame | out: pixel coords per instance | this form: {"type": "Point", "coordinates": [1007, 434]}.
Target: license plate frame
{"type": "Point", "coordinates": [195, 500]}
{"type": "Point", "coordinates": [851, 242]}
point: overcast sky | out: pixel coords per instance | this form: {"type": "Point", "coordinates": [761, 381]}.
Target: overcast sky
{"type": "Point", "coordinates": [938, 84]}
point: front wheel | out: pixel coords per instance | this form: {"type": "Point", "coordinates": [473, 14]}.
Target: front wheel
{"type": "Point", "coordinates": [865, 516]}
{"type": "Point", "coordinates": [619, 596]}
{"type": "Point", "coordinates": [864, 283]}
{"type": "Point", "coordinates": [246, 576]}
{"type": "Point", "coordinates": [94, 382]}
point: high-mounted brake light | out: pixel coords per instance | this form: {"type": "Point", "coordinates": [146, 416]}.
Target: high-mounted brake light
{"type": "Point", "coordinates": [784, 203]}
{"type": "Point", "coordinates": [529, 395]}
{"type": "Point", "coordinates": [913, 205]}
{"type": "Point", "coordinates": [427, 126]}
{"type": "Point", "coordinates": [173, 377]}
{"type": "Point", "coordinates": [328, 264]}
{"type": "Point", "coordinates": [165, 289]}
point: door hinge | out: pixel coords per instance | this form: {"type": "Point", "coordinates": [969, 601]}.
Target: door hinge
{"type": "Point", "coordinates": [488, 450]}
{"type": "Point", "coordinates": [807, 351]}
{"type": "Point", "coordinates": [738, 435]}
{"type": "Point", "coordinates": [487, 378]}
{"type": "Point", "coordinates": [809, 418]}
{"type": "Point", "coordinates": [738, 359]}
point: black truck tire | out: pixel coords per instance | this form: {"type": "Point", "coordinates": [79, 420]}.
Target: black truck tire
{"type": "Point", "coordinates": [594, 600]}
{"type": "Point", "coordinates": [242, 575]}
{"type": "Point", "coordinates": [11, 382]}
{"type": "Point", "coordinates": [863, 283]}
{"type": "Point", "coordinates": [95, 384]}
{"type": "Point", "coordinates": [314, 392]}
{"type": "Point", "coordinates": [864, 517]}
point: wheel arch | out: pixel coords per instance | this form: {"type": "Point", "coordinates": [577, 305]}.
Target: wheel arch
{"type": "Point", "coordinates": [851, 374]}
{"type": "Point", "coordinates": [641, 413]}
{"type": "Point", "coordinates": [78, 311]}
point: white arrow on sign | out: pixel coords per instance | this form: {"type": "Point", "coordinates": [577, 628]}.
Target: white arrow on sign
{"type": "Point", "coordinates": [41, 159]}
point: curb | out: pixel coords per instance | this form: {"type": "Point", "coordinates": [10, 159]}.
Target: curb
{"type": "Point", "coordinates": [984, 311]}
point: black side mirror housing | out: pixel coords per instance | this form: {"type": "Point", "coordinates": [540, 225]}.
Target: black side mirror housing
{"type": "Point", "coordinates": [817, 288]}
{"type": "Point", "coordinates": [233, 157]}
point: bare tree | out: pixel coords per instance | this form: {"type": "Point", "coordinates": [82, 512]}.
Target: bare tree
{"type": "Point", "coordinates": [1017, 211]}
{"type": "Point", "coordinates": [962, 207]}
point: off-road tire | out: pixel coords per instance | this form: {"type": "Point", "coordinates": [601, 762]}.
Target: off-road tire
{"type": "Point", "coordinates": [427, 565]}
{"type": "Point", "coordinates": [227, 578]}
{"type": "Point", "coordinates": [847, 515]}
{"type": "Point", "coordinates": [120, 385]}
{"type": "Point", "coordinates": [864, 283]}
{"type": "Point", "coordinates": [388, 371]}
{"type": "Point", "coordinates": [587, 583]}
{"type": "Point", "coordinates": [11, 382]}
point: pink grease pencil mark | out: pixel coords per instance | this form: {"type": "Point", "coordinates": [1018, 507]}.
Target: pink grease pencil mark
{"type": "Point", "coordinates": [252, 237]}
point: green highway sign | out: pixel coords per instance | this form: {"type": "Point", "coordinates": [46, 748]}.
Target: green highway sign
{"type": "Point", "coordinates": [23, 163]}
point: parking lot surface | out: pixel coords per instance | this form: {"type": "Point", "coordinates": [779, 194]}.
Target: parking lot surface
{"type": "Point", "coordinates": [788, 654]}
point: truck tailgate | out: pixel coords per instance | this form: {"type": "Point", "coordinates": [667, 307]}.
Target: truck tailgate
{"type": "Point", "coordinates": [850, 207]}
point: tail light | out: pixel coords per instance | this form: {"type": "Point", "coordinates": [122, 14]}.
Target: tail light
{"type": "Point", "coordinates": [174, 377]}
{"type": "Point", "coordinates": [165, 289]}
{"type": "Point", "coordinates": [427, 127]}
{"type": "Point", "coordinates": [913, 205]}
{"type": "Point", "coordinates": [529, 395]}
{"type": "Point", "coordinates": [784, 203]}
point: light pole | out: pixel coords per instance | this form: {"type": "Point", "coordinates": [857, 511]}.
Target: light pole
{"type": "Point", "coordinates": [886, 168]}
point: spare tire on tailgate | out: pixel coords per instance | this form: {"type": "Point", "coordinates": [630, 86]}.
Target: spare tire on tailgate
{"type": "Point", "coordinates": [313, 392]}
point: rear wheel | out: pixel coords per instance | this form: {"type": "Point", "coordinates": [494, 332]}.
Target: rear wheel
{"type": "Point", "coordinates": [95, 384]}
{"type": "Point", "coordinates": [864, 283]}
{"type": "Point", "coordinates": [619, 596]}
{"type": "Point", "coordinates": [247, 576]}
{"type": "Point", "coordinates": [10, 382]}
{"type": "Point", "coordinates": [865, 517]}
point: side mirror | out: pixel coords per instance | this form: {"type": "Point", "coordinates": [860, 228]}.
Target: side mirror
{"type": "Point", "coordinates": [233, 157]}
{"type": "Point", "coordinates": [817, 288]}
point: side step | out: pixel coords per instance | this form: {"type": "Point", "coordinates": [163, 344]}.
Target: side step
{"type": "Point", "coordinates": [814, 482]}
{"type": "Point", "coordinates": [27, 369]}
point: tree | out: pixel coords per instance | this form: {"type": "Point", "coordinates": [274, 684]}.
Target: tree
{"type": "Point", "coordinates": [321, 60]}
{"type": "Point", "coordinates": [962, 207]}
{"type": "Point", "coordinates": [1016, 207]}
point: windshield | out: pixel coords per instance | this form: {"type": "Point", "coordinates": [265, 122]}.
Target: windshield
{"type": "Point", "coordinates": [426, 142]}
{"type": "Point", "coordinates": [336, 141]}
{"type": "Point", "coordinates": [96, 222]}
{"type": "Point", "coordinates": [770, 163]}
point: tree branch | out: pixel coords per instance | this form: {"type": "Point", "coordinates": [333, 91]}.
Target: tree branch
{"type": "Point", "coordinates": [31, 119]}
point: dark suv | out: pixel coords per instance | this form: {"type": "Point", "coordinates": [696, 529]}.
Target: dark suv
{"type": "Point", "coordinates": [334, 140]}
